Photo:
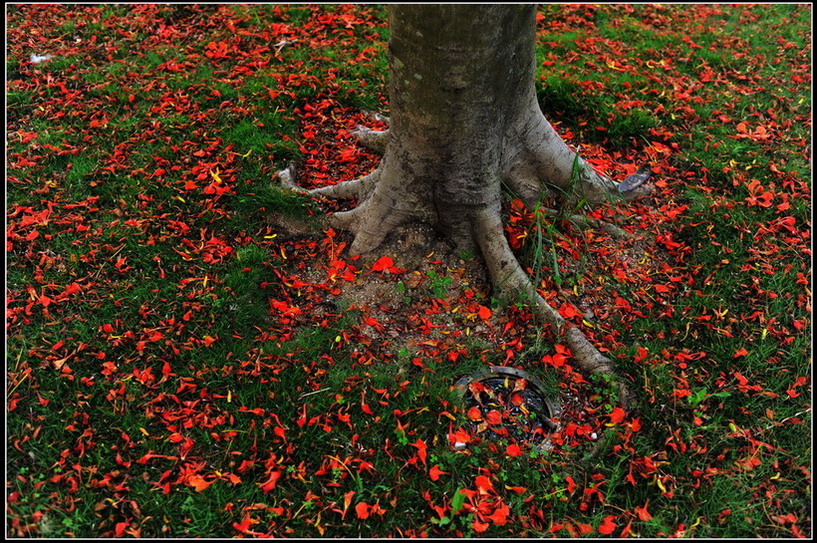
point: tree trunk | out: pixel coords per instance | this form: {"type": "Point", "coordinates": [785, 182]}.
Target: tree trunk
{"type": "Point", "coordinates": [464, 120]}
{"type": "Point", "coordinates": [464, 117]}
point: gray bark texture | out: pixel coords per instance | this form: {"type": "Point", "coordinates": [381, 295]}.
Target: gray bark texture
{"type": "Point", "coordinates": [464, 120]}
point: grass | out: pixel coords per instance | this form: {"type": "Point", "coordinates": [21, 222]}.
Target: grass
{"type": "Point", "coordinates": [180, 361]}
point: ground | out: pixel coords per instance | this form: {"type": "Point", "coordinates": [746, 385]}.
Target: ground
{"type": "Point", "coordinates": [192, 355]}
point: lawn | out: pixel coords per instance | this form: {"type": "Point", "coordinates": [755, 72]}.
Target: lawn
{"type": "Point", "coordinates": [192, 353]}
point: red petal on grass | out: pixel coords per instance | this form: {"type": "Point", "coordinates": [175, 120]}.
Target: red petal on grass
{"type": "Point", "coordinates": [270, 483]}
{"type": "Point", "coordinates": [198, 483]}
{"type": "Point", "coordinates": [347, 501]}
{"type": "Point", "coordinates": [617, 415]}
{"type": "Point", "coordinates": [642, 512]}
{"type": "Point", "coordinates": [484, 484]}
{"type": "Point", "coordinates": [383, 263]}
{"type": "Point", "coordinates": [584, 529]}
{"type": "Point", "coordinates": [244, 525]}
{"type": "Point", "coordinates": [484, 313]}
{"type": "Point", "coordinates": [569, 311]}
{"type": "Point", "coordinates": [435, 472]}
{"type": "Point", "coordinates": [421, 447]}
{"type": "Point", "coordinates": [500, 515]}
{"type": "Point", "coordinates": [479, 527]}
{"type": "Point", "coordinates": [493, 417]}
{"type": "Point", "coordinates": [607, 525]}
{"type": "Point", "coordinates": [362, 510]}
{"type": "Point", "coordinates": [513, 450]}
{"type": "Point", "coordinates": [460, 436]}
{"type": "Point", "coordinates": [119, 529]}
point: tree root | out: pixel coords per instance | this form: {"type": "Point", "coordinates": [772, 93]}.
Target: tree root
{"type": "Point", "coordinates": [508, 276]}
{"type": "Point", "coordinates": [537, 157]}
{"type": "Point", "coordinates": [348, 220]}
{"type": "Point", "coordinates": [538, 154]}
{"type": "Point", "coordinates": [376, 140]}
{"type": "Point", "coordinates": [379, 212]}
{"type": "Point", "coordinates": [370, 221]}
{"type": "Point", "coordinates": [359, 188]}
{"type": "Point", "coordinates": [583, 221]}
{"type": "Point", "coordinates": [378, 117]}
{"type": "Point", "coordinates": [287, 179]}
{"type": "Point", "coordinates": [345, 190]}
{"type": "Point", "coordinates": [531, 196]}
{"type": "Point", "coordinates": [374, 227]}
{"type": "Point", "coordinates": [375, 217]}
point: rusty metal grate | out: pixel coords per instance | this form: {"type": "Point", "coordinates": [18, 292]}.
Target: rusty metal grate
{"type": "Point", "coordinates": [507, 403]}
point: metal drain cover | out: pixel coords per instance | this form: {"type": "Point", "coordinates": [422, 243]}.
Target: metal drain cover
{"type": "Point", "coordinates": [504, 403]}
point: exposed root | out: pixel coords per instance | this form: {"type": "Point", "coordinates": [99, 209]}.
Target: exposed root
{"type": "Point", "coordinates": [508, 276]}
{"type": "Point", "coordinates": [634, 185]}
{"type": "Point", "coordinates": [531, 192]}
{"type": "Point", "coordinates": [583, 221]}
{"type": "Point", "coordinates": [374, 227]}
{"type": "Point", "coordinates": [527, 188]}
{"type": "Point", "coordinates": [376, 140]}
{"type": "Point", "coordinates": [536, 152]}
{"type": "Point", "coordinates": [345, 190]}
{"type": "Point", "coordinates": [378, 117]}
{"type": "Point", "coordinates": [591, 186]}
{"type": "Point", "coordinates": [287, 179]}
{"type": "Point", "coordinates": [348, 220]}
{"type": "Point", "coordinates": [638, 192]}
{"type": "Point", "coordinates": [372, 219]}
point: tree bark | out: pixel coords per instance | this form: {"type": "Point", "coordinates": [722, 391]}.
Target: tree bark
{"type": "Point", "coordinates": [464, 117]}
{"type": "Point", "coordinates": [464, 120]}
